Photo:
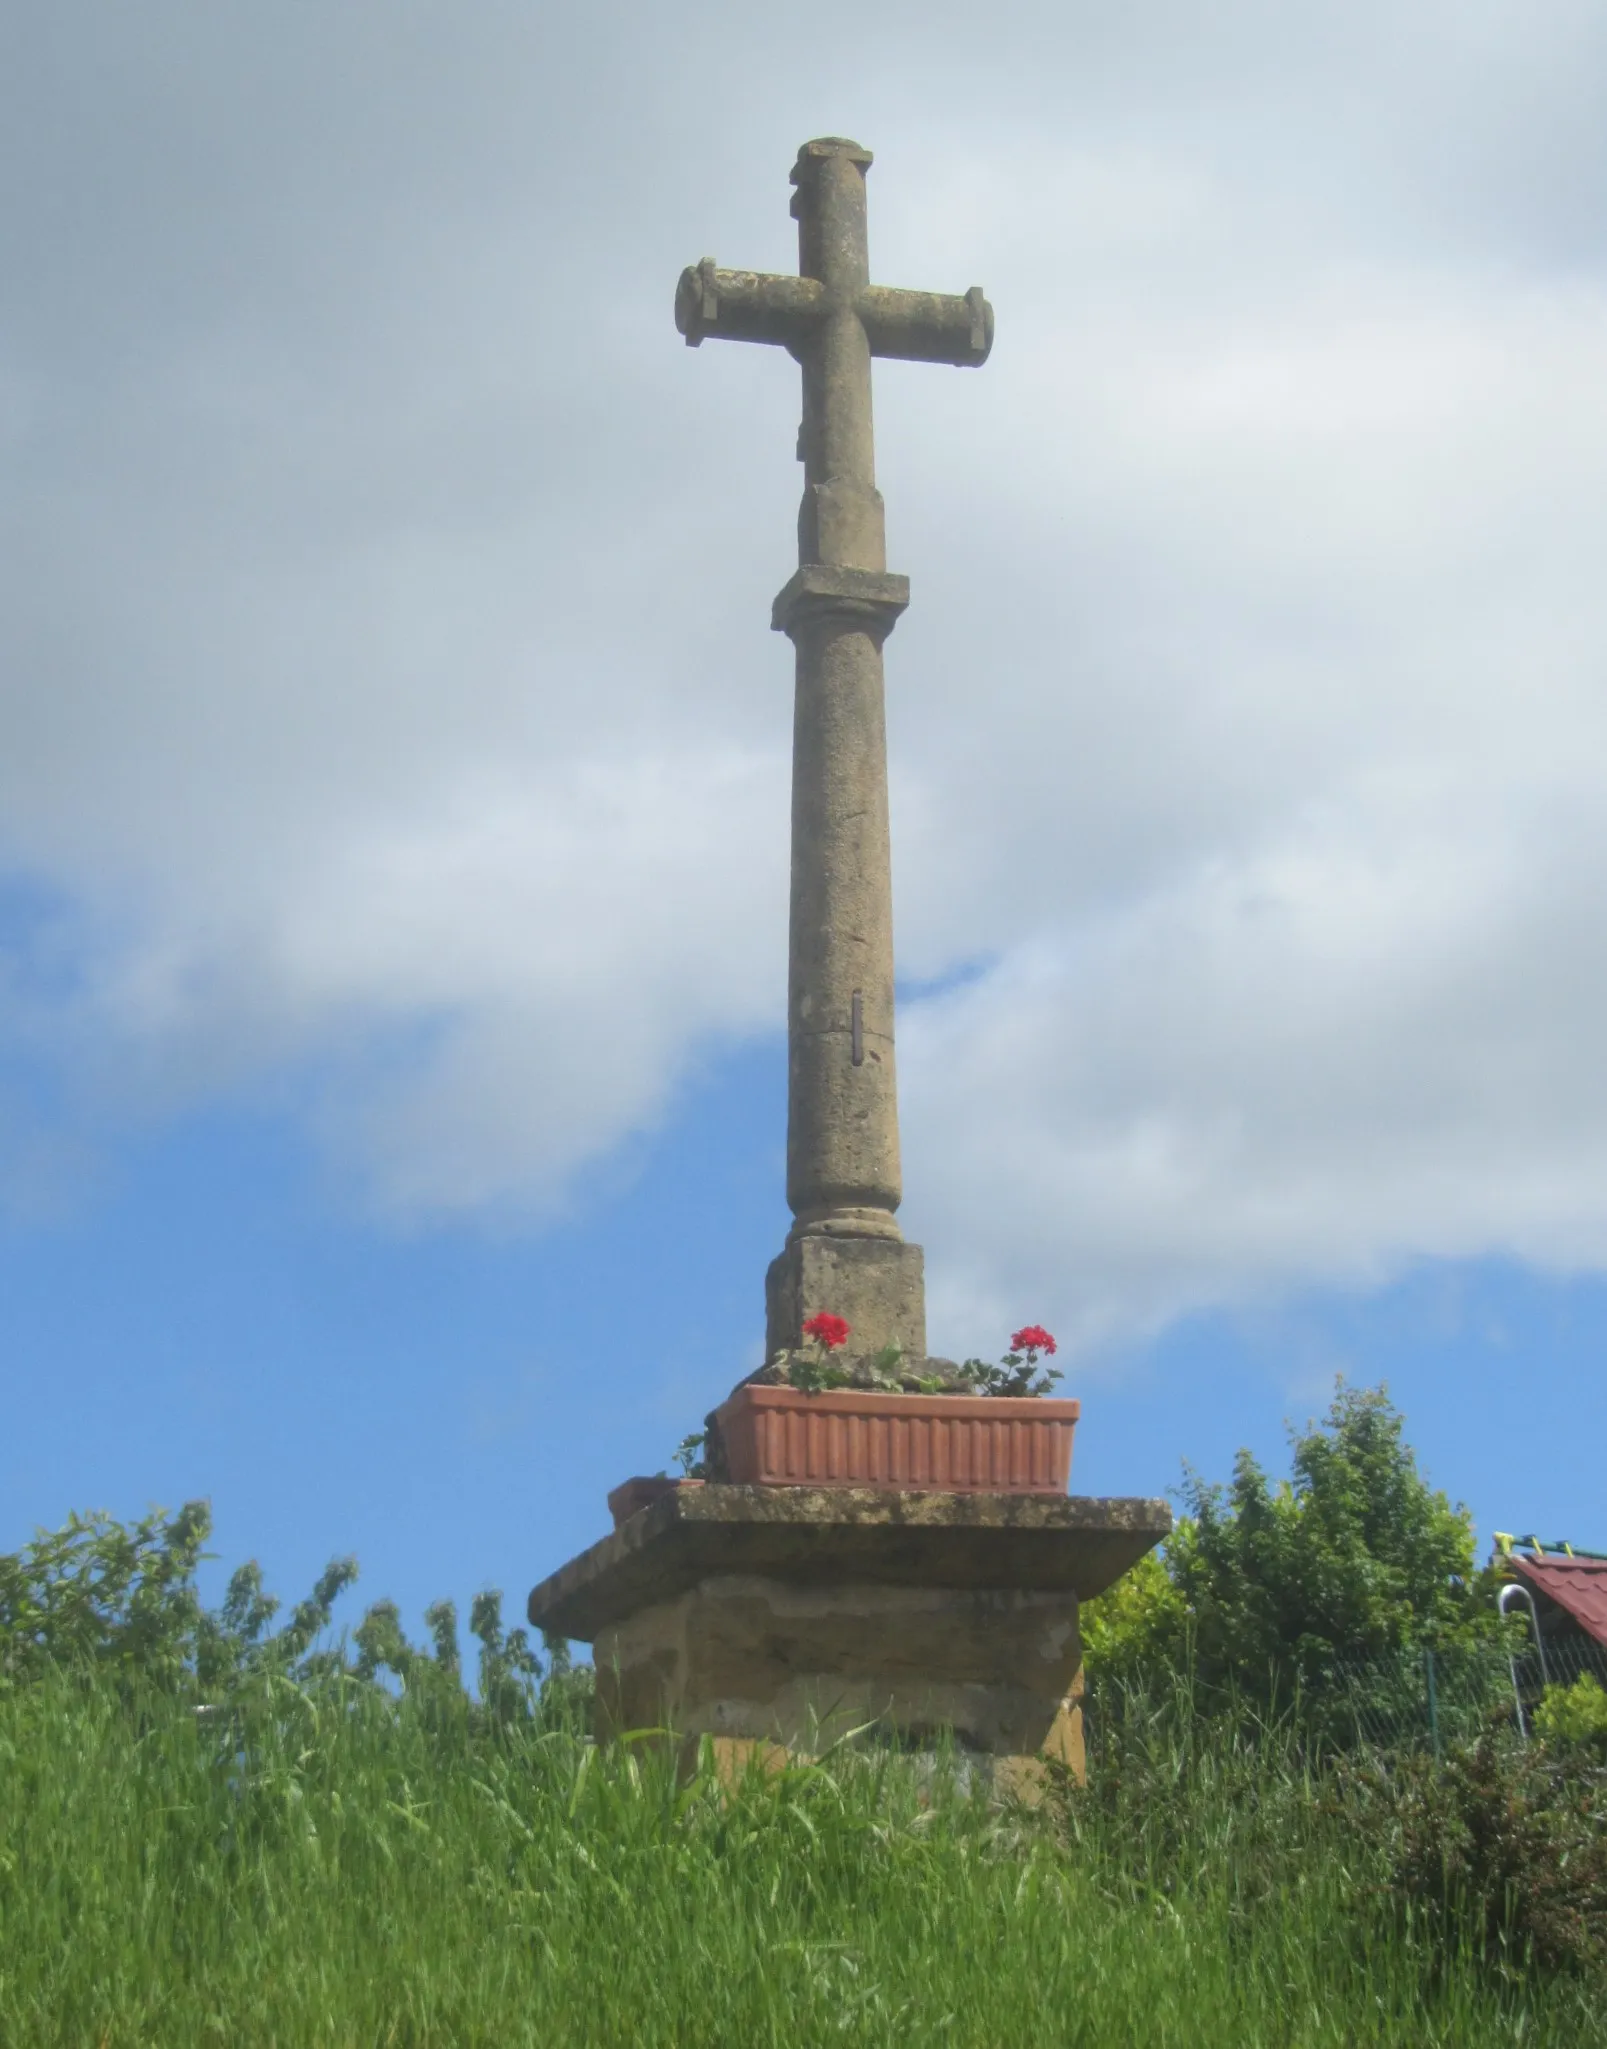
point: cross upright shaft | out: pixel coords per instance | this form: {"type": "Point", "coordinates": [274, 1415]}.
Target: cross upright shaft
{"type": "Point", "coordinates": [844, 1252]}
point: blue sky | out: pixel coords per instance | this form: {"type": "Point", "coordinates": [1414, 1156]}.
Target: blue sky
{"type": "Point", "coordinates": [393, 749]}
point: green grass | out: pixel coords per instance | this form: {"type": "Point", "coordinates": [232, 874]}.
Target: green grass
{"type": "Point", "coordinates": [327, 1867]}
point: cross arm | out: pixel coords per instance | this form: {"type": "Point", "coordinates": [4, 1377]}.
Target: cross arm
{"type": "Point", "coordinates": [747, 305]}
{"type": "Point", "coordinates": [928, 327]}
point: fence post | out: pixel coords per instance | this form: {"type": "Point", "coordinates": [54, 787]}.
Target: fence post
{"type": "Point", "coordinates": [1433, 1700]}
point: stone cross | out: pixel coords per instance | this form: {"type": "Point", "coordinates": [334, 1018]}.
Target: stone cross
{"type": "Point", "coordinates": [844, 1252]}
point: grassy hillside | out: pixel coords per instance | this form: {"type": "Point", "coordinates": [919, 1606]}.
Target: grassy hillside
{"type": "Point", "coordinates": [321, 1863]}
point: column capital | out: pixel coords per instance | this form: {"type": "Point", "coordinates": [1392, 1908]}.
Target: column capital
{"type": "Point", "coordinates": [811, 153]}
{"type": "Point", "coordinates": [873, 596]}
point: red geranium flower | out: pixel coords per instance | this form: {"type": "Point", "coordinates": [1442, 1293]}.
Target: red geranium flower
{"type": "Point", "coordinates": [1032, 1337]}
{"type": "Point", "coordinates": [828, 1330]}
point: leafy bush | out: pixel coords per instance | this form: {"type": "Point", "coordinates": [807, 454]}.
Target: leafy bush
{"type": "Point", "coordinates": [1138, 1630]}
{"type": "Point", "coordinates": [1574, 1716]}
{"type": "Point", "coordinates": [120, 1600]}
{"type": "Point", "coordinates": [1272, 1590]}
{"type": "Point", "coordinates": [99, 1592]}
{"type": "Point", "coordinates": [1503, 1847]}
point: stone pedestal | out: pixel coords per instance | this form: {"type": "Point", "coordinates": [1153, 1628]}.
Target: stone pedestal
{"type": "Point", "coordinates": [790, 1615]}
{"type": "Point", "coordinates": [759, 1660]}
{"type": "Point", "coordinates": [878, 1284]}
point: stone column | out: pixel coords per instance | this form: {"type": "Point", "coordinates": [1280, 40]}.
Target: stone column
{"type": "Point", "coordinates": [845, 1252]}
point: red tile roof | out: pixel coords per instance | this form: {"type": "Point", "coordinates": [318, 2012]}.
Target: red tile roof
{"type": "Point", "coordinates": [1577, 1584]}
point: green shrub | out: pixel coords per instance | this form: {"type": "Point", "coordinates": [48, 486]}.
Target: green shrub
{"type": "Point", "coordinates": [1266, 1592]}
{"type": "Point", "coordinates": [1574, 1716]}
{"type": "Point", "coordinates": [1139, 1628]}
{"type": "Point", "coordinates": [120, 1601]}
{"type": "Point", "coordinates": [1354, 1557]}
{"type": "Point", "coordinates": [1503, 1849]}
{"type": "Point", "coordinates": [99, 1592]}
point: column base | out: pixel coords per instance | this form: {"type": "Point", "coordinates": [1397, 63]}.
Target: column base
{"type": "Point", "coordinates": [758, 1664]}
{"type": "Point", "coordinates": [878, 1284]}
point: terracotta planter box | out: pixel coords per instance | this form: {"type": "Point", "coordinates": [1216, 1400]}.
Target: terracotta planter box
{"type": "Point", "coordinates": [631, 1496]}
{"type": "Point", "coordinates": [846, 1437]}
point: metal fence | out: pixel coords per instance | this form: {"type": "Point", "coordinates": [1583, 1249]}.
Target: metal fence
{"type": "Point", "coordinates": [1419, 1700]}
{"type": "Point", "coordinates": [1428, 1698]}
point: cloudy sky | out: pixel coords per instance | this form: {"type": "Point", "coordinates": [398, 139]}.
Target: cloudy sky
{"type": "Point", "coordinates": [393, 755]}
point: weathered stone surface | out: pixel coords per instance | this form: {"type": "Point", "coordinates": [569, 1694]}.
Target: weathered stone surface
{"type": "Point", "coordinates": [834, 1537]}
{"type": "Point", "coordinates": [843, 1171]}
{"type": "Point", "coordinates": [813, 588]}
{"type": "Point", "coordinates": [763, 1660]}
{"type": "Point", "coordinates": [877, 1283]}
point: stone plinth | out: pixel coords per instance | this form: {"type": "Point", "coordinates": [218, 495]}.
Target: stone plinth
{"type": "Point", "coordinates": [789, 1614]}
{"type": "Point", "coordinates": [877, 1284]}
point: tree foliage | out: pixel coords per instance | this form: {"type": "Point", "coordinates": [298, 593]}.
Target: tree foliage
{"type": "Point", "coordinates": [121, 1599]}
{"type": "Point", "coordinates": [1268, 1586]}
{"type": "Point", "coordinates": [1138, 1628]}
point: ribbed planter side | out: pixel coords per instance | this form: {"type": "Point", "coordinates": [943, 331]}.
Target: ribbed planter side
{"type": "Point", "coordinates": [845, 1437]}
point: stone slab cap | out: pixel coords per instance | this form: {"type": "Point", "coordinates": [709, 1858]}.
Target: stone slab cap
{"type": "Point", "coordinates": [819, 585]}
{"type": "Point", "coordinates": [840, 1536]}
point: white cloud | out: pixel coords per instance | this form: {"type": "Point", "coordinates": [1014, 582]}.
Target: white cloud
{"type": "Point", "coordinates": [1367, 1042]}
{"type": "Point", "coordinates": [1295, 975]}
{"type": "Point", "coordinates": [384, 681]}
